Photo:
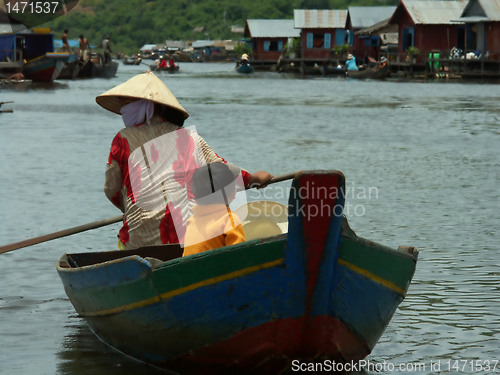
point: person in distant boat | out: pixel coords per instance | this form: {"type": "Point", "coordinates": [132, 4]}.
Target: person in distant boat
{"type": "Point", "coordinates": [213, 224]}
{"type": "Point", "coordinates": [83, 48]}
{"type": "Point", "coordinates": [65, 43]}
{"type": "Point", "coordinates": [244, 59]}
{"type": "Point", "coordinates": [106, 46]}
{"type": "Point", "coordinates": [171, 63]}
{"type": "Point", "coordinates": [382, 63]}
{"type": "Point", "coordinates": [151, 161]}
{"type": "Point", "coordinates": [350, 64]}
{"type": "Point", "coordinates": [16, 77]}
{"type": "Point", "coordinates": [162, 63]}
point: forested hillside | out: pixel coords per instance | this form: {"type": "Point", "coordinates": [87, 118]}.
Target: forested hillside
{"type": "Point", "coordinates": [133, 23]}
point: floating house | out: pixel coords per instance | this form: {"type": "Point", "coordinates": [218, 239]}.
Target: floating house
{"type": "Point", "coordinates": [32, 53]}
{"type": "Point", "coordinates": [147, 50]}
{"type": "Point", "coordinates": [268, 38]}
{"type": "Point", "coordinates": [322, 30]}
{"type": "Point", "coordinates": [367, 44]}
{"type": "Point", "coordinates": [11, 58]}
{"type": "Point", "coordinates": [428, 25]}
{"type": "Point", "coordinates": [482, 30]}
{"type": "Point", "coordinates": [387, 35]}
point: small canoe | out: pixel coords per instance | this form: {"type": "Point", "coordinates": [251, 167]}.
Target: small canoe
{"type": "Point", "coordinates": [319, 292]}
{"type": "Point", "coordinates": [131, 60]}
{"type": "Point", "coordinates": [96, 68]}
{"type": "Point", "coordinates": [45, 68]}
{"type": "Point", "coordinates": [244, 68]}
{"type": "Point", "coordinates": [16, 84]}
{"type": "Point", "coordinates": [378, 72]}
{"type": "Point", "coordinates": [169, 69]}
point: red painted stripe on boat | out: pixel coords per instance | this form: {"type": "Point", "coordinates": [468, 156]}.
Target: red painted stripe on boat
{"type": "Point", "coordinates": [272, 346]}
{"type": "Point", "coordinates": [315, 196]}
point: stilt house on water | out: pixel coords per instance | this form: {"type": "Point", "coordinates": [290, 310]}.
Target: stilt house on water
{"type": "Point", "coordinates": [366, 44]}
{"type": "Point", "coordinates": [269, 39]}
{"type": "Point", "coordinates": [448, 37]}
{"type": "Point", "coordinates": [427, 25]}
{"type": "Point", "coordinates": [322, 29]}
{"type": "Point", "coordinates": [482, 26]}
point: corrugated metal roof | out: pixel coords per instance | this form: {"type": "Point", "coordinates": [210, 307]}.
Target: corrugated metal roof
{"type": "Point", "coordinates": [362, 17]}
{"type": "Point", "coordinates": [147, 47]}
{"type": "Point", "coordinates": [271, 29]}
{"type": "Point", "coordinates": [435, 12]}
{"type": "Point", "coordinates": [378, 28]}
{"type": "Point", "coordinates": [202, 43]}
{"type": "Point", "coordinates": [320, 18]}
{"type": "Point", "coordinates": [481, 11]}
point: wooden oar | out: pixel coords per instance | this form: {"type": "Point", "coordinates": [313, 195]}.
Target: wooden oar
{"type": "Point", "coordinates": [96, 224]}
{"type": "Point", "coordinates": [62, 233]}
{"type": "Point", "coordinates": [284, 177]}
{"type": "Point", "coordinates": [6, 110]}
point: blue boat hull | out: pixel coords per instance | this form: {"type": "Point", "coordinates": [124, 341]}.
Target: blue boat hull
{"type": "Point", "coordinates": [45, 68]}
{"type": "Point", "coordinates": [245, 69]}
{"type": "Point", "coordinates": [318, 292]}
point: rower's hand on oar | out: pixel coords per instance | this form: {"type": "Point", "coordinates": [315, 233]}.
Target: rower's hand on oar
{"type": "Point", "coordinates": [260, 179]}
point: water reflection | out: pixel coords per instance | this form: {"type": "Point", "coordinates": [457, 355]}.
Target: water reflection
{"type": "Point", "coordinates": [82, 353]}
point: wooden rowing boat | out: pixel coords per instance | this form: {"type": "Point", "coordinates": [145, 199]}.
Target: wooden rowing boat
{"type": "Point", "coordinates": [168, 69]}
{"type": "Point", "coordinates": [318, 292]}
{"type": "Point", "coordinates": [244, 68]}
{"type": "Point", "coordinates": [378, 72]}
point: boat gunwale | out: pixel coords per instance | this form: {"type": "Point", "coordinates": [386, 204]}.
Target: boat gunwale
{"type": "Point", "coordinates": [64, 265]}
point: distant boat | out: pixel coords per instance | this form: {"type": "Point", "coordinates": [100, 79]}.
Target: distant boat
{"type": "Point", "coordinates": [2, 103]}
{"type": "Point", "coordinates": [135, 60]}
{"type": "Point", "coordinates": [45, 68]}
{"type": "Point", "coordinates": [96, 68]}
{"type": "Point", "coordinates": [377, 72]}
{"type": "Point", "coordinates": [32, 53]}
{"type": "Point", "coordinates": [317, 292]}
{"type": "Point", "coordinates": [244, 68]}
{"type": "Point", "coordinates": [15, 84]}
{"type": "Point", "coordinates": [71, 69]}
{"type": "Point", "coordinates": [172, 68]}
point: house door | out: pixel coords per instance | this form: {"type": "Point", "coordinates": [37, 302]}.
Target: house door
{"type": "Point", "coordinates": [481, 36]}
{"type": "Point", "coordinates": [470, 37]}
{"type": "Point", "coordinates": [461, 37]}
{"type": "Point", "coordinates": [407, 38]}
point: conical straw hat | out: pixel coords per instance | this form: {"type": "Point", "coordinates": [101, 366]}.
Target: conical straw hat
{"type": "Point", "coordinates": [142, 86]}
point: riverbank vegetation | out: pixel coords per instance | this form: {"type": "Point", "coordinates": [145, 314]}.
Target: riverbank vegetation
{"type": "Point", "coordinates": [133, 23]}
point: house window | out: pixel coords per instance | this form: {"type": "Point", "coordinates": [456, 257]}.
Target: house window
{"type": "Point", "coordinates": [327, 41]}
{"type": "Point", "coordinates": [318, 40]}
{"type": "Point", "coordinates": [372, 41]}
{"type": "Point", "coordinates": [310, 39]}
{"type": "Point", "coordinates": [340, 37]}
{"type": "Point", "coordinates": [273, 45]}
{"type": "Point", "coordinates": [349, 37]}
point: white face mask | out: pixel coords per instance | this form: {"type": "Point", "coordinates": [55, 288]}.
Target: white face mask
{"type": "Point", "coordinates": [137, 112]}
